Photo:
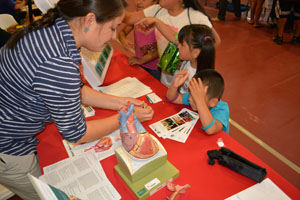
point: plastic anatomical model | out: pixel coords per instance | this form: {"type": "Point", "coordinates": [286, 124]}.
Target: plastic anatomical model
{"type": "Point", "coordinates": [135, 139]}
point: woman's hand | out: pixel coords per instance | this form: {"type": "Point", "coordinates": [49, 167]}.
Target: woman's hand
{"type": "Point", "coordinates": [143, 113]}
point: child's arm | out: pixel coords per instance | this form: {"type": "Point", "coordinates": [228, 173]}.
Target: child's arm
{"type": "Point", "coordinates": [163, 28]}
{"type": "Point", "coordinates": [172, 93]}
{"type": "Point", "coordinates": [145, 59]}
{"type": "Point", "coordinates": [122, 36]}
{"type": "Point", "coordinates": [133, 17]}
{"type": "Point", "coordinates": [198, 93]}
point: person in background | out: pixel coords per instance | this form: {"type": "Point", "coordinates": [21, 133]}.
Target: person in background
{"type": "Point", "coordinates": [236, 4]}
{"type": "Point", "coordinates": [40, 82]}
{"type": "Point", "coordinates": [145, 43]}
{"type": "Point", "coordinates": [256, 9]}
{"type": "Point", "coordinates": [10, 7]}
{"type": "Point", "coordinates": [272, 20]}
{"type": "Point", "coordinates": [204, 96]}
{"type": "Point", "coordinates": [283, 9]}
{"type": "Point", "coordinates": [175, 14]}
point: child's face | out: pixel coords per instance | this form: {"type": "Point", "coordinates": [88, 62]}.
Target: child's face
{"type": "Point", "coordinates": [185, 53]}
{"type": "Point", "coordinates": [169, 4]}
{"type": "Point", "coordinates": [193, 105]}
{"type": "Point", "coordinates": [142, 4]}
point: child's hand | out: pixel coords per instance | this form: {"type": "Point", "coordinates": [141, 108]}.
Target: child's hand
{"type": "Point", "coordinates": [127, 44]}
{"type": "Point", "coordinates": [197, 90]}
{"type": "Point", "coordinates": [180, 78]}
{"type": "Point", "coordinates": [146, 23]}
{"type": "Point", "coordinates": [135, 61]}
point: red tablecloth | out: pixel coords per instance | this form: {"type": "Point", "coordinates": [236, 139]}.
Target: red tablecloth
{"type": "Point", "coordinates": [190, 158]}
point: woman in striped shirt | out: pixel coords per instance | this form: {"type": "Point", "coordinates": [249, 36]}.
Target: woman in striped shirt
{"type": "Point", "coordinates": [40, 82]}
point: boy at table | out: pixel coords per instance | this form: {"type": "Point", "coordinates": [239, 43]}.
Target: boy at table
{"type": "Point", "coordinates": [205, 91]}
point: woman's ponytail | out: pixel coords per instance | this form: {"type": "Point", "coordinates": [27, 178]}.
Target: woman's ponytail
{"type": "Point", "coordinates": [47, 20]}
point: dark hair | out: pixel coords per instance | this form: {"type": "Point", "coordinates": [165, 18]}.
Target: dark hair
{"type": "Point", "coordinates": [104, 11]}
{"type": "Point", "coordinates": [199, 36]}
{"type": "Point", "coordinates": [195, 4]}
{"type": "Point", "coordinates": [213, 80]}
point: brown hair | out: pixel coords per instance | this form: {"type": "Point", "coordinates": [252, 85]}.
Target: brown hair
{"type": "Point", "coordinates": [104, 10]}
{"type": "Point", "coordinates": [213, 80]}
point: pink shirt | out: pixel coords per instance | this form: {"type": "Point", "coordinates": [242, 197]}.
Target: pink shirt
{"type": "Point", "coordinates": [145, 42]}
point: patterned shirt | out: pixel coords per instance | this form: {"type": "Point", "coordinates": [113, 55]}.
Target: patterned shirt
{"type": "Point", "coordinates": [40, 83]}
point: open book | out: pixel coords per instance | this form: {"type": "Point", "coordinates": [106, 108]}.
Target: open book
{"type": "Point", "coordinates": [81, 176]}
{"type": "Point", "coordinates": [48, 192]}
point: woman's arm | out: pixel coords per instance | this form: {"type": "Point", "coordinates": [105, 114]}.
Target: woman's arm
{"type": "Point", "coordinates": [97, 99]}
{"type": "Point", "coordinates": [97, 129]}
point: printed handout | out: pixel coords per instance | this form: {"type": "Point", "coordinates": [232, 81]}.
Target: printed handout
{"type": "Point", "coordinates": [127, 87]}
{"type": "Point", "coordinates": [81, 176]}
{"type": "Point", "coordinates": [176, 127]}
{"type": "Point", "coordinates": [104, 147]}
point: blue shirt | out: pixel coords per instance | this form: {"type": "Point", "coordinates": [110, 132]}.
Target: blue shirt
{"type": "Point", "coordinates": [220, 112]}
{"type": "Point", "coordinates": [39, 83]}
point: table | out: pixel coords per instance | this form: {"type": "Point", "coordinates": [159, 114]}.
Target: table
{"type": "Point", "coordinates": [190, 158]}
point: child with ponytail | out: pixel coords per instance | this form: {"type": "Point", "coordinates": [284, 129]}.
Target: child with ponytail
{"type": "Point", "coordinates": [196, 49]}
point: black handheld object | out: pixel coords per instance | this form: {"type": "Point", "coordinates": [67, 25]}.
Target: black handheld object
{"type": "Point", "coordinates": [233, 161]}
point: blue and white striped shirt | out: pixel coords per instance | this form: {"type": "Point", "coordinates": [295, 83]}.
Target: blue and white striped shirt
{"type": "Point", "coordinates": [40, 83]}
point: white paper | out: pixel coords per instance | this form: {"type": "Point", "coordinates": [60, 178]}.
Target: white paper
{"type": "Point", "coordinates": [261, 191]}
{"type": "Point", "coordinates": [113, 140]}
{"type": "Point", "coordinates": [81, 176]}
{"type": "Point", "coordinates": [176, 127]}
{"type": "Point", "coordinates": [43, 189]}
{"type": "Point", "coordinates": [153, 98]}
{"type": "Point", "coordinates": [127, 87]}
{"type": "Point", "coordinates": [44, 5]}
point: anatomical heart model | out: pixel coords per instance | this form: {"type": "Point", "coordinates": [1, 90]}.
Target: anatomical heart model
{"type": "Point", "coordinates": [135, 139]}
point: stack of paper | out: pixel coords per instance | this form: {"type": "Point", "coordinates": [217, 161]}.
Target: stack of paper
{"type": "Point", "coordinates": [81, 176]}
{"type": "Point", "coordinates": [176, 127]}
{"type": "Point", "coordinates": [127, 87]}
